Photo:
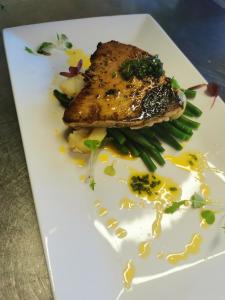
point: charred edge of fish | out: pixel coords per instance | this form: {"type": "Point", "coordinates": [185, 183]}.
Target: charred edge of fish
{"type": "Point", "coordinates": [157, 100]}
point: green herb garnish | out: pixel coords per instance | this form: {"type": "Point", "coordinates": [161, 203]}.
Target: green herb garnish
{"type": "Point", "coordinates": [208, 216]}
{"type": "Point", "coordinates": [45, 48]}
{"type": "Point", "coordinates": [197, 201]}
{"type": "Point", "coordinates": [63, 41]}
{"type": "Point", "coordinates": [173, 189]}
{"type": "Point", "coordinates": [63, 37]}
{"type": "Point", "coordinates": [2, 6]}
{"type": "Point", "coordinates": [142, 67]}
{"type": "Point", "coordinates": [92, 183]}
{"type": "Point", "coordinates": [92, 144]}
{"type": "Point", "coordinates": [68, 45]}
{"type": "Point", "coordinates": [142, 183]}
{"type": "Point", "coordinates": [174, 207]}
{"type": "Point", "coordinates": [29, 50]}
{"type": "Point", "coordinates": [114, 73]}
{"type": "Point", "coordinates": [110, 170]}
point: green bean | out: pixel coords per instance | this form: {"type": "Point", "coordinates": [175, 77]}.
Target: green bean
{"type": "Point", "coordinates": [167, 138]}
{"type": "Point", "coordinates": [188, 113]}
{"type": "Point", "coordinates": [175, 131]}
{"type": "Point", "coordinates": [150, 135]}
{"type": "Point", "coordinates": [190, 123]}
{"type": "Point", "coordinates": [178, 124]}
{"type": "Point", "coordinates": [147, 160]}
{"type": "Point", "coordinates": [190, 94]}
{"type": "Point", "coordinates": [156, 143]}
{"type": "Point", "coordinates": [122, 148]}
{"type": "Point", "coordinates": [117, 135]}
{"type": "Point", "coordinates": [62, 98]}
{"type": "Point", "coordinates": [193, 109]}
{"type": "Point", "coordinates": [132, 148]}
{"type": "Point", "coordinates": [139, 139]}
{"type": "Point", "coordinates": [146, 131]}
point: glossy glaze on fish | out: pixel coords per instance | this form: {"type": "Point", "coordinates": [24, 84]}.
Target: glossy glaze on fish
{"type": "Point", "coordinates": [108, 100]}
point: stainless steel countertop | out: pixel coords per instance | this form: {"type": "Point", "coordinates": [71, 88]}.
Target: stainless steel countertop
{"type": "Point", "coordinates": [197, 27]}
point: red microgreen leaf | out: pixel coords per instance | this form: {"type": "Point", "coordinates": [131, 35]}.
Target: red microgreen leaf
{"type": "Point", "coordinates": [79, 64]}
{"type": "Point", "coordinates": [212, 90]}
{"type": "Point", "coordinates": [73, 71]}
{"type": "Point", "coordinates": [67, 74]}
{"type": "Point", "coordinates": [198, 86]}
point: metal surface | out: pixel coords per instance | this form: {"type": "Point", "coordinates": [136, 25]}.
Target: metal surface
{"type": "Point", "coordinates": [197, 27]}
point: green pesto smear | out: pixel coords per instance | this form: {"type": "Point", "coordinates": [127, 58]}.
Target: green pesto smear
{"type": "Point", "coordinates": [141, 68]}
{"type": "Point", "coordinates": [144, 184]}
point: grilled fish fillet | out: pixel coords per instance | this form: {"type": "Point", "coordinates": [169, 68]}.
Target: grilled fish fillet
{"type": "Point", "coordinates": [108, 100]}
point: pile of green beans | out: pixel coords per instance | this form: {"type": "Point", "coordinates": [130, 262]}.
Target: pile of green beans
{"type": "Point", "coordinates": [146, 142]}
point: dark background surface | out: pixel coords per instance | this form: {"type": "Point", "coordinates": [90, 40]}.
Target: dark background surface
{"type": "Point", "coordinates": [197, 27]}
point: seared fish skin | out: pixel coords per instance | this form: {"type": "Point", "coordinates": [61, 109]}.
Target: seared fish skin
{"type": "Point", "coordinates": [108, 100]}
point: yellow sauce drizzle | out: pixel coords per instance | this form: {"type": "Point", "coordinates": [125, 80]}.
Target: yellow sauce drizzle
{"type": "Point", "coordinates": [79, 162]}
{"type": "Point", "coordinates": [190, 161]}
{"type": "Point", "coordinates": [121, 233]}
{"type": "Point", "coordinates": [144, 249]}
{"type": "Point", "coordinates": [156, 226]}
{"type": "Point", "coordinates": [193, 162]}
{"type": "Point", "coordinates": [160, 255]}
{"type": "Point", "coordinates": [112, 223]}
{"type": "Point", "coordinates": [62, 149]}
{"type": "Point", "coordinates": [103, 158]}
{"type": "Point", "coordinates": [52, 96]}
{"type": "Point", "coordinates": [122, 180]}
{"type": "Point", "coordinates": [128, 274]}
{"type": "Point", "coordinates": [126, 203]}
{"type": "Point", "coordinates": [74, 55]}
{"type": "Point", "coordinates": [97, 203]}
{"type": "Point", "coordinates": [204, 224]}
{"type": "Point", "coordinates": [117, 154]}
{"type": "Point", "coordinates": [142, 204]}
{"type": "Point", "coordinates": [166, 189]}
{"type": "Point", "coordinates": [102, 211]}
{"type": "Point", "coordinates": [192, 248]}
{"type": "Point", "coordinates": [163, 190]}
{"type": "Point", "coordinates": [82, 178]}
{"type": "Point", "coordinates": [57, 132]}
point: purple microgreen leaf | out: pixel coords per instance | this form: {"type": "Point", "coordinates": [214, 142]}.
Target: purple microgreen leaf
{"type": "Point", "coordinates": [79, 64]}
{"type": "Point", "coordinates": [213, 91]}
{"type": "Point", "coordinates": [198, 86]}
{"type": "Point", "coordinates": [67, 74]}
{"type": "Point", "coordinates": [73, 71]}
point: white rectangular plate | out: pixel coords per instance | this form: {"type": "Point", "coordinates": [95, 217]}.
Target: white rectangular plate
{"type": "Point", "coordinates": [85, 260]}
